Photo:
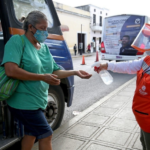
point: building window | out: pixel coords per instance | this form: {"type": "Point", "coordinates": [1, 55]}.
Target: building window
{"type": "Point", "coordinates": [94, 10]}
{"type": "Point", "coordinates": [1, 31]}
{"type": "Point", "coordinates": [94, 32]}
{"type": "Point", "coordinates": [100, 21]}
{"type": "Point", "coordinates": [94, 19]}
{"type": "Point", "coordinates": [106, 14]}
{"type": "Point", "coordinates": [100, 12]}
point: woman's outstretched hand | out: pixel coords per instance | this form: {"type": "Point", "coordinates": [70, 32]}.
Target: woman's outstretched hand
{"type": "Point", "coordinates": [82, 74]}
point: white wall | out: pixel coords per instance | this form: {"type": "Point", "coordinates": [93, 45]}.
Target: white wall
{"type": "Point", "coordinates": [74, 23]}
{"type": "Point", "coordinates": [97, 34]}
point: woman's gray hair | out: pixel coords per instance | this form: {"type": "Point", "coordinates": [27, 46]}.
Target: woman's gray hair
{"type": "Point", "coordinates": [33, 18]}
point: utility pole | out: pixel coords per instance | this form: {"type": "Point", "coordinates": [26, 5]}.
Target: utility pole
{"type": "Point", "coordinates": [81, 42]}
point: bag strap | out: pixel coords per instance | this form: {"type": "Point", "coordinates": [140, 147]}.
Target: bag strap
{"type": "Point", "coordinates": [22, 48]}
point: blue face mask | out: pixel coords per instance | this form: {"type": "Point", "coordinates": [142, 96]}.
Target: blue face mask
{"type": "Point", "coordinates": [40, 35]}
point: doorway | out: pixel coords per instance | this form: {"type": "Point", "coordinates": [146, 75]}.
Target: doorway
{"type": "Point", "coordinates": [81, 39]}
{"type": "Point", "coordinates": [100, 40]}
{"type": "Point", "coordinates": [94, 46]}
{"type": "Point", "coordinates": [100, 43]}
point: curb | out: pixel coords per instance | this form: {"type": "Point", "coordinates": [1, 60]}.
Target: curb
{"type": "Point", "coordinates": [64, 127]}
{"type": "Point", "coordinates": [85, 55]}
{"type": "Point", "coordinates": [81, 56]}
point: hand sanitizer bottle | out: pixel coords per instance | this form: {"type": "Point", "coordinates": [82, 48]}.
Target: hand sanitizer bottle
{"type": "Point", "coordinates": [104, 74]}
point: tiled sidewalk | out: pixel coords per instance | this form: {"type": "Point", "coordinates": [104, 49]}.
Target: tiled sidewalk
{"type": "Point", "coordinates": [108, 124]}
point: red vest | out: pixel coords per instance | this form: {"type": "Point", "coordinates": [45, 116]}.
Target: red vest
{"type": "Point", "coordinates": [141, 100]}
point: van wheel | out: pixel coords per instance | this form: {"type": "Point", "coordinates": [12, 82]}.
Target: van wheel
{"type": "Point", "coordinates": [55, 108]}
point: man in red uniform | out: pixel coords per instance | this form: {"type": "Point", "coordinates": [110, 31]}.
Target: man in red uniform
{"type": "Point", "coordinates": [141, 100]}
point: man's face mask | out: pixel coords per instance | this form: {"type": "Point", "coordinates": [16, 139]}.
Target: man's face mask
{"type": "Point", "coordinates": [40, 35]}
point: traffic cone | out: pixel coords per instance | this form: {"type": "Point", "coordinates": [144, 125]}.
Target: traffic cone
{"type": "Point", "coordinates": [83, 60]}
{"type": "Point", "coordinates": [97, 56]}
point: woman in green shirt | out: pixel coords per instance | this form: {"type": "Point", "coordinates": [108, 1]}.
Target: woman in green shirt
{"type": "Point", "coordinates": [39, 71]}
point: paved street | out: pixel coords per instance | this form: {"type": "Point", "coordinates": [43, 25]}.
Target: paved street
{"type": "Point", "coordinates": [90, 91]}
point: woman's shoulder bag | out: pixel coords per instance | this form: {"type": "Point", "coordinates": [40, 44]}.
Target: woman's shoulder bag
{"type": "Point", "coordinates": [8, 85]}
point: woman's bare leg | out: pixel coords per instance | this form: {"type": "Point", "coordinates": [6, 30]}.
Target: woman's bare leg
{"type": "Point", "coordinates": [46, 143]}
{"type": "Point", "coordinates": [27, 142]}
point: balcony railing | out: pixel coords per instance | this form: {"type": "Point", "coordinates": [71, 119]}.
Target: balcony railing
{"type": "Point", "coordinates": [96, 26]}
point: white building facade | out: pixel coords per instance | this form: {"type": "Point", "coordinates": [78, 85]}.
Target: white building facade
{"type": "Point", "coordinates": [96, 24]}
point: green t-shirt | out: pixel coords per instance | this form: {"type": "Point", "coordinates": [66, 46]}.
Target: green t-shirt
{"type": "Point", "coordinates": [29, 95]}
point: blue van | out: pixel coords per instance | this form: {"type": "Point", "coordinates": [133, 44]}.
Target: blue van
{"type": "Point", "coordinates": [12, 14]}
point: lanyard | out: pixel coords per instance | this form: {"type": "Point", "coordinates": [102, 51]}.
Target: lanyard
{"type": "Point", "coordinates": [146, 70]}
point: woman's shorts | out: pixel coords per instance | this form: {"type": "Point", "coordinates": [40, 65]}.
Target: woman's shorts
{"type": "Point", "coordinates": [34, 121]}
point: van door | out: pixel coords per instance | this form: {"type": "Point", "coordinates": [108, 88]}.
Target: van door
{"type": "Point", "coordinates": [1, 56]}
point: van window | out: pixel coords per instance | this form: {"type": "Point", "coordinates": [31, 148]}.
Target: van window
{"type": "Point", "coordinates": [1, 31]}
{"type": "Point", "coordinates": [1, 42]}
{"type": "Point", "coordinates": [23, 7]}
